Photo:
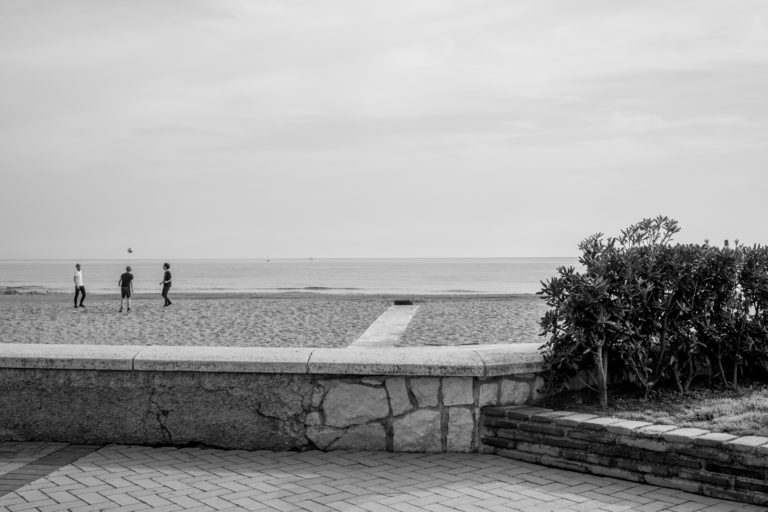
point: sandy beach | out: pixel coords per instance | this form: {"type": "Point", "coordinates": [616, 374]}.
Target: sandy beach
{"type": "Point", "coordinates": [476, 321]}
{"type": "Point", "coordinates": [278, 320]}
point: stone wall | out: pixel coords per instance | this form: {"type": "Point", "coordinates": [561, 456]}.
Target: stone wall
{"type": "Point", "coordinates": [247, 411]}
{"type": "Point", "coordinates": [690, 459]}
{"type": "Point", "coordinates": [408, 414]}
{"type": "Point", "coordinates": [422, 400]}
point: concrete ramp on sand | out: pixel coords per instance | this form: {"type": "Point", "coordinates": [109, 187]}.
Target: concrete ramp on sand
{"type": "Point", "coordinates": [387, 330]}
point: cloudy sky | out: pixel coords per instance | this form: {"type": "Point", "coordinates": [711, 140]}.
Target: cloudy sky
{"type": "Point", "coordinates": [192, 129]}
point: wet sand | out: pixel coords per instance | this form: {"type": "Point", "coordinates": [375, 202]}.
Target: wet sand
{"type": "Point", "coordinates": [264, 320]}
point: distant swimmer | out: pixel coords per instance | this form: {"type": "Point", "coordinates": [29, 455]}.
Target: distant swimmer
{"type": "Point", "coordinates": [79, 287]}
{"type": "Point", "coordinates": [130, 251]}
{"type": "Point", "coordinates": [126, 288]}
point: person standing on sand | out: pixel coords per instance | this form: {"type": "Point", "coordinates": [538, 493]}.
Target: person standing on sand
{"type": "Point", "coordinates": [166, 282]}
{"type": "Point", "coordinates": [79, 287]}
{"type": "Point", "coordinates": [126, 288]}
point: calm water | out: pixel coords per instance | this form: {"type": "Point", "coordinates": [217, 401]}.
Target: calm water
{"type": "Point", "coordinates": [368, 276]}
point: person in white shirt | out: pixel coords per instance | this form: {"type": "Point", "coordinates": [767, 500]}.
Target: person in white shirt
{"type": "Point", "coordinates": [79, 287]}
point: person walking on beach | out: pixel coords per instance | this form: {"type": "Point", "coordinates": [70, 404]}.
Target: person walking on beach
{"type": "Point", "coordinates": [166, 282]}
{"type": "Point", "coordinates": [79, 287]}
{"type": "Point", "coordinates": [126, 288]}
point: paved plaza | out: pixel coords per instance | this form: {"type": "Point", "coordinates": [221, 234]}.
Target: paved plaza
{"type": "Point", "coordinates": [53, 477]}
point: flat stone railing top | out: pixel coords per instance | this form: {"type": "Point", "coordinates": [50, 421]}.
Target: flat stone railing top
{"type": "Point", "coordinates": [459, 361]}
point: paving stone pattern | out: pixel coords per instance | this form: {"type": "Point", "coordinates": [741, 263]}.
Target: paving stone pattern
{"type": "Point", "coordinates": [134, 478]}
{"type": "Point", "coordinates": [15, 455]}
{"type": "Point", "coordinates": [50, 460]}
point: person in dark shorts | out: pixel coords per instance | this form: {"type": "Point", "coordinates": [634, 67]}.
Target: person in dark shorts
{"type": "Point", "coordinates": [126, 288]}
{"type": "Point", "coordinates": [166, 282]}
{"type": "Point", "coordinates": [79, 287]}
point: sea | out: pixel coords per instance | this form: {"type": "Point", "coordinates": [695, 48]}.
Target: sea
{"type": "Point", "coordinates": [421, 276]}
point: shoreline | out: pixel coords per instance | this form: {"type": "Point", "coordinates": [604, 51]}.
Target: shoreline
{"type": "Point", "coordinates": [416, 297]}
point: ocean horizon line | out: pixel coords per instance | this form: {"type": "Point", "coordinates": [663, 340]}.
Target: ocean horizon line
{"type": "Point", "coordinates": [297, 258]}
{"type": "Point", "coordinates": [342, 275]}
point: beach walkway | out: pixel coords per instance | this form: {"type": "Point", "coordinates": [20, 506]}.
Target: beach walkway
{"type": "Point", "coordinates": [57, 477]}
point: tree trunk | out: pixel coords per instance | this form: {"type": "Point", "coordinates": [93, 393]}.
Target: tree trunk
{"type": "Point", "coordinates": [691, 374]}
{"type": "Point", "coordinates": [737, 357]}
{"type": "Point", "coordinates": [601, 365]}
{"type": "Point", "coordinates": [678, 381]}
{"type": "Point", "coordinates": [720, 368]}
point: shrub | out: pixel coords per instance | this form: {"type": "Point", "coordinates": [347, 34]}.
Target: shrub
{"type": "Point", "coordinates": [656, 314]}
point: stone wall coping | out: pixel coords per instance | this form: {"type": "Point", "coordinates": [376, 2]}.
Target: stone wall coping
{"type": "Point", "coordinates": [444, 361]}
{"type": "Point", "coordinates": [68, 357]}
{"type": "Point", "coordinates": [499, 359]}
{"type": "Point", "coordinates": [432, 361]}
{"type": "Point", "coordinates": [222, 359]}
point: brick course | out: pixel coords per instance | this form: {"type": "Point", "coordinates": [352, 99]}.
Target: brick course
{"type": "Point", "coordinates": [693, 460]}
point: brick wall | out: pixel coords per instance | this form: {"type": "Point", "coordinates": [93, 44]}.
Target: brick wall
{"type": "Point", "coordinates": [693, 460]}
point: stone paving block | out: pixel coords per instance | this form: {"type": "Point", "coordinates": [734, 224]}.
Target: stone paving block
{"type": "Point", "coordinates": [626, 427]}
{"type": "Point", "coordinates": [309, 505]}
{"type": "Point", "coordinates": [523, 413]}
{"type": "Point", "coordinates": [548, 417]}
{"type": "Point", "coordinates": [93, 498]}
{"type": "Point", "coordinates": [573, 420]}
{"type": "Point", "coordinates": [34, 506]}
{"type": "Point", "coordinates": [599, 423]}
{"type": "Point", "coordinates": [655, 430]}
{"type": "Point", "coordinates": [123, 499]}
{"type": "Point", "coordinates": [684, 435]}
{"type": "Point", "coordinates": [712, 439]}
{"type": "Point", "coordinates": [747, 443]}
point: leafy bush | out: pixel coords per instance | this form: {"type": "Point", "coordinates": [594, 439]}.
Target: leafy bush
{"type": "Point", "coordinates": [657, 314]}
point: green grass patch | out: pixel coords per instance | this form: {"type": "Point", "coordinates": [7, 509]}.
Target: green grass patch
{"type": "Point", "coordinates": [738, 412]}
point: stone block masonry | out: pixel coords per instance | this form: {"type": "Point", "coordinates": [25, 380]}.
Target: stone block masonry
{"type": "Point", "coordinates": [413, 414]}
{"type": "Point", "coordinates": [413, 400]}
{"type": "Point", "coordinates": [690, 459]}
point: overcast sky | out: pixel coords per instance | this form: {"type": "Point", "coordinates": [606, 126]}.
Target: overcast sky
{"type": "Point", "coordinates": [191, 129]}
